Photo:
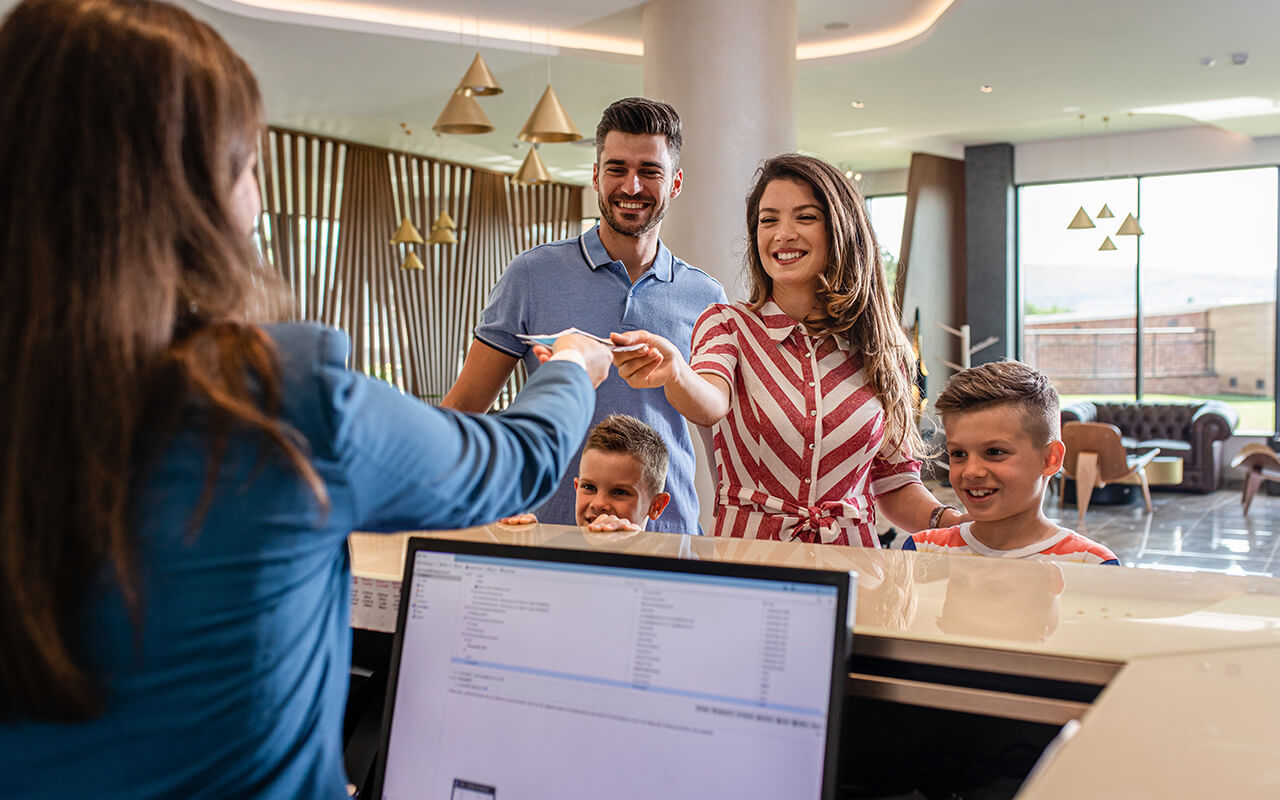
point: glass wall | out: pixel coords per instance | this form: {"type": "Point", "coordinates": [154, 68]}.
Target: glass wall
{"type": "Point", "coordinates": [1201, 279]}
{"type": "Point", "coordinates": [1209, 277]}
{"type": "Point", "coordinates": [1079, 302]}
{"type": "Point", "coordinates": [888, 213]}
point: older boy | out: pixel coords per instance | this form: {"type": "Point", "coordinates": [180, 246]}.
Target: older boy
{"type": "Point", "coordinates": [1001, 421]}
{"type": "Point", "coordinates": [620, 479]}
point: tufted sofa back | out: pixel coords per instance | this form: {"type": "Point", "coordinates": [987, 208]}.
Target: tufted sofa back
{"type": "Point", "coordinates": [1150, 420]}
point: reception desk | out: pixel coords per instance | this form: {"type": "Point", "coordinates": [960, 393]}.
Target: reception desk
{"type": "Point", "coordinates": [1132, 683]}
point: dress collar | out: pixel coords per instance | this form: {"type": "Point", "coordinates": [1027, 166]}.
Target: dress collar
{"type": "Point", "coordinates": [779, 325]}
{"type": "Point", "coordinates": [597, 256]}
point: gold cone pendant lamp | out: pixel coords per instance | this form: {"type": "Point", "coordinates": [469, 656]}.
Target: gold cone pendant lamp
{"type": "Point", "coordinates": [1130, 227]}
{"type": "Point", "coordinates": [412, 261]}
{"type": "Point", "coordinates": [1105, 213]}
{"type": "Point", "coordinates": [1080, 220]}
{"type": "Point", "coordinates": [406, 233]}
{"type": "Point", "coordinates": [532, 171]}
{"type": "Point", "coordinates": [479, 80]}
{"type": "Point", "coordinates": [1107, 244]}
{"type": "Point", "coordinates": [442, 230]}
{"type": "Point", "coordinates": [549, 122]}
{"type": "Point", "coordinates": [462, 114]}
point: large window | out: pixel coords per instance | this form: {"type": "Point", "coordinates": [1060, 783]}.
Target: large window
{"type": "Point", "coordinates": [888, 214]}
{"type": "Point", "coordinates": [1200, 281]}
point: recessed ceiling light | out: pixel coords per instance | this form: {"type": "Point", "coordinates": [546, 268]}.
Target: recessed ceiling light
{"type": "Point", "coordinates": [1070, 109]}
{"type": "Point", "coordinates": [835, 26]}
{"type": "Point", "coordinates": [985, 88]}
{"type": "Point", "coordinates": [1239, 58]}
{"type": "Point", "coordinates": [857, 176]}
{"type": "Point", "coordinates": [1208, 61]}
{"type": "Point", "coordinates": [857, 104]}
{"type": "Point", "coordinates": [848, 173]}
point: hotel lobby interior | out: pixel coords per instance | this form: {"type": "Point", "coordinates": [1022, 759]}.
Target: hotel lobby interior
{"type": "Point", "coordinates": [1092, 188]}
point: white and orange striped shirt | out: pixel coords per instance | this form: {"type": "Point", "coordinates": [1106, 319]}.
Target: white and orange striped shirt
{"type": "Point", "coordinates": [1063, 545]}
{"type": "Point", "coordinates": [799, 455]}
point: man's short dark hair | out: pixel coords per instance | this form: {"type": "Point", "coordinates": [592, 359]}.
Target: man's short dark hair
{"type": "Point", "coordinates": [1005, 382]}
{"type": "Point", "coordinates": [643, 117]}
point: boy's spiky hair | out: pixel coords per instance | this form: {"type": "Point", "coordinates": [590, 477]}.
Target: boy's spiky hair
{"type": "Point", "coordinates": [1002, 382]}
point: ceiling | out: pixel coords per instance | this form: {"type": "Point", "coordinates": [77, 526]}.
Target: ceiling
{"type": "Point", "coordinates": [1046, 63]}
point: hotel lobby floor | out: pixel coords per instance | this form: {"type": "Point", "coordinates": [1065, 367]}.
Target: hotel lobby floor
{"type": "Point", "coordinates": [1200, 532]}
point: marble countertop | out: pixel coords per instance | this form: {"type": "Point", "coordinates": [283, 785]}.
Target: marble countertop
{"type": "Point", "coordinates": [1192, 711]}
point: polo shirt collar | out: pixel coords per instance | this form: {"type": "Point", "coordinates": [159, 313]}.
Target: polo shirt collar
{"type": "Point", "coordinates": [597, 256]}
{"type": "Point", "coordinates": [778, 325]}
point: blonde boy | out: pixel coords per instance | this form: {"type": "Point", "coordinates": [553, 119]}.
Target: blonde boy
{"type": "Point", "coordinates": [621, 476]}
{"type": "Point", "coordinates": [1003, 446]}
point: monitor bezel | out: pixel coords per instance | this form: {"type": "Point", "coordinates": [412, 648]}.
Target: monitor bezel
{"type": "Point", "coordinates": [842, 581]}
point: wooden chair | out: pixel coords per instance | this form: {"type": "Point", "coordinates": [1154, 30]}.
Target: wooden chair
{"type": "Point", "coordinates": [1262, 464]}
{"type": "Point", "coordinates": [1096, 457]}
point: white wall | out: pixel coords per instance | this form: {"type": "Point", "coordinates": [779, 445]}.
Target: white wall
{"type": "Point", "coordinates": [1201, 147]}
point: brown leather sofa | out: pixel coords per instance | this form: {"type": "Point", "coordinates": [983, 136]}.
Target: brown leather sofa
{"type": "Point", "coordinates": [1192, 431]}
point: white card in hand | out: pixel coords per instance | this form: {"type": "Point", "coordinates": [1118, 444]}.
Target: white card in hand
{"type": "Point", "coordinates": [548, 339]}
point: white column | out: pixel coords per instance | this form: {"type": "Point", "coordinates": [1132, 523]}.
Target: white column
{"type": "Point", "coordinates": [729, 68]}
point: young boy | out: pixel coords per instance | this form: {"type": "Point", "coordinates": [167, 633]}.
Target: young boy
{"type": "Point", "coordinates": [620, 477]}
{"type": "Point", "coordinates": [1001, 422]}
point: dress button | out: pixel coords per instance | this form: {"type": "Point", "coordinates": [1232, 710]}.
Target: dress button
{"type": "Point", "coordinates": [813, 413]}
{"type": "Point", "coordinates": [806, 480]}
{"type": "Point", "coordinates": [810, 445]}
{"type": "Point", "coordinates": [811, 383]}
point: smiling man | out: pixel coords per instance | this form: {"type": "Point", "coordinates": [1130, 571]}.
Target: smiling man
{"type": "Point", "coordinates": [616, 277]}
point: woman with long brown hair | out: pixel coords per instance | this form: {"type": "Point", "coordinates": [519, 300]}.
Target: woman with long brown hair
{"type": "Point", "coordinates": [177, 480]}
{"type": "Point", "coordinates": [807, 383]}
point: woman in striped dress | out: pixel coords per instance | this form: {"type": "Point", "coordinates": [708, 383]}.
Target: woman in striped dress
{"type": "Point", "coordinates": [806, 384]}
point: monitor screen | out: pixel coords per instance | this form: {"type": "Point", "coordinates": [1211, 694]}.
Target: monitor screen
{"type": "Point", "coordinates": [519, 678]}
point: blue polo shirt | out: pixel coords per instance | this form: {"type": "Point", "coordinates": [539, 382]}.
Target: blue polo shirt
{"type": "Point", "coordinates": [574, 282]}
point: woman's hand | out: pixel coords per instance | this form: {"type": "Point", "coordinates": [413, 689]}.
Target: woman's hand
{"type": "Point", "coordinates": [650, 367]}
{"type": "Point", "coordinates": [581, 350]}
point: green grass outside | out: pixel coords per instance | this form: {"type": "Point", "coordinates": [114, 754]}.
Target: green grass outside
{"type": "Point", "coordinates": [1257, 414]}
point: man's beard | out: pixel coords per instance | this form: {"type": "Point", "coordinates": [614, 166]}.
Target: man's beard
{"type": "Point", "coordinates": [630, 229]}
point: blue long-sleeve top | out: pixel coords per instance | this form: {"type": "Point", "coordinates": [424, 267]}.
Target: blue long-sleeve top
{"type": "Point", "coordinates": [234, 686]}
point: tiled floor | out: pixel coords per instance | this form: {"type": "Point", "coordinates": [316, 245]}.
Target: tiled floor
{"type": "Point", "coordinates": [1203, 532]}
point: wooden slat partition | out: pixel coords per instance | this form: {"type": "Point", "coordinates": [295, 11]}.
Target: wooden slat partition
{"type": "Point", "coordinates": [329, 210]}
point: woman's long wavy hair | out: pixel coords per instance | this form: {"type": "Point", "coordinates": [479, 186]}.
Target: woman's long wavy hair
{"type": "Point", "coordinates": [130, 289]}
{"type": "Point", "coordinates": [852, 290]}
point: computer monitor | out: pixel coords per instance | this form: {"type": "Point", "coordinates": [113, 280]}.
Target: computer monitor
{"type": "Point", "coordinates": [525, 672]}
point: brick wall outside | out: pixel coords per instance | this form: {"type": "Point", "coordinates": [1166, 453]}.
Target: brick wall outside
{"type": "Point", "coordinates": [1196, 352]}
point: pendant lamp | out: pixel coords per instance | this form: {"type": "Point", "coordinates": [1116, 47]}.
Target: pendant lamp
{"type": "Point", "coordinates": [463, 115]}
{"type": "Point", "coordinates": [442, 230]}
{"type": "Point", "coordinates": [479, 80]}
{"type": "Point", "coordinates": [1130, 227]}
{"type": "Point", "coordinates": [406, 233]}
{"type": "Point", "coordinates": [412, 261]}
{"type": "Point", "coordinates": [1107, 244]}
{"type": "Point", "coordinates": [1080, 220]}
{"type": "Point", "coordinates": [532, 171]}
{"type": "Point", "coordinates": [1105, 213]}
{"type": "Point", "coordinates": [549, 121]}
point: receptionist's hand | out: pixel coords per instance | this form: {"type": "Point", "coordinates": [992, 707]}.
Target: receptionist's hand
{"type": "Point", "coordinates": [587, 353]}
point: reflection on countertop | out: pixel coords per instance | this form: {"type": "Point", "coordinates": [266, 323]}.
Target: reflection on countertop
{"type": "Point", "coordinates": [1072, 610]}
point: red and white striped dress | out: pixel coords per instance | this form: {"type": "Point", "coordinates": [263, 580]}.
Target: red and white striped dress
{"type": "Point", "coordinates": [798, 457]}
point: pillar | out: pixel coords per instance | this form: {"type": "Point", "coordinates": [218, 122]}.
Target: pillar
{"type": "Point", "coordinates": [729, 68]}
